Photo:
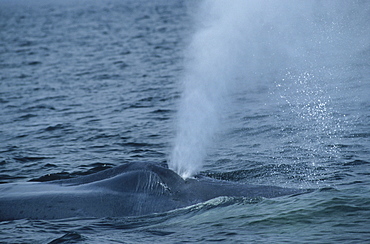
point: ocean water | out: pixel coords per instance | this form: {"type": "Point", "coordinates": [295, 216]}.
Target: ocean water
{"type": "Point", "coordinates": [88, 85]}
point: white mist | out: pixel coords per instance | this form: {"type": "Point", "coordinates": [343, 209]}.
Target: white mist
{"type": "Point", "coordinates": [211, 62]}
{"type": "Point", "coordinates": [239, 44]}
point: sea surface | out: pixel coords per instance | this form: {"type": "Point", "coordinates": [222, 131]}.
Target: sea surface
{"type": "Point", "coordinates": [88, 85]}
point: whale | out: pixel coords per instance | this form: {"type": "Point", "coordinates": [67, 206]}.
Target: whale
{"type": "Point", "coordinates": [131, 189]}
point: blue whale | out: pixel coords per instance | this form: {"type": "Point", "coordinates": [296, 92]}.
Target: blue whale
{"type": "Point", "coordinates": [128, 190]}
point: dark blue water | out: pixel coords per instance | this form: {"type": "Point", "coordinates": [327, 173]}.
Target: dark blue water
{"type": "Point", "coordinates": [87, 85]}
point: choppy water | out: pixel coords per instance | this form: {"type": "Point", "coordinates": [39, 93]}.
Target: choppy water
{"type": "Point", "coordinates": [86, 85]}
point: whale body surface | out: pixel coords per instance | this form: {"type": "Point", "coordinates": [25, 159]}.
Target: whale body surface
{"type": "Point", "coordinates": [128, 190]}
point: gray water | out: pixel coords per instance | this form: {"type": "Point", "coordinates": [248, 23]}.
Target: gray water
{"type": "Point", "coordinates": [87, 85]}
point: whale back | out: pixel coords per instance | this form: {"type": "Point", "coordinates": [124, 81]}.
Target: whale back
{"type": "Point", "coordinates": [131, 177]}
{"type": "Point", "coordinates": [128, 190]}
{"type": "Point", "coordinates": [141, 178]}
